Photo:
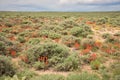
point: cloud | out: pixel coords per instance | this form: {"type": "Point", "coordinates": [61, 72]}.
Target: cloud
{"type": "Point", "coordinates": [59, 5]}
{"type": "Point", "coordinates": [26, 5]}
{"type": "Point", "coordinates": [88, 1]}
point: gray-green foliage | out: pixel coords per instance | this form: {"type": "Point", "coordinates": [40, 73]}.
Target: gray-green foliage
{"type": "Point", "coordinates": [49, 77]}
{"type": "Point", "coordinates": [15, 77]}
{"type": "Point", "coordinates": [49, 50]}
{"type": "Point", "coordinates": [33, 41]}
{"type": "Point", "coordinates": [4, 45]}
{"type": "Point", "coordinates": [83, 76]}
{"type": "Point", "coordinates": [71, 63]}
{"type": "Point", "coordinates": [26, 73]}
{"type": "Point", "coordinates": [6, 67]}
{"type": "Point", "coordinates": [39, 65]}
{"type": "Point", "coordinates": [81, 31]}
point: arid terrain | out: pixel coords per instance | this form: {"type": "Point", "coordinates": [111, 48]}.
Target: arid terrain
{"type": "Point", "coordinates": [59, 46]}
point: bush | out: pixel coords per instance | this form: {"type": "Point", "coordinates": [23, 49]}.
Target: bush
{"type": "Point", "coordinates": [58, 29]}
{"type": "Point", "coordinates": [95, 64]}
{"type": "Point", "coordinates": [54, 36]}
{"type": "Point", "coordinates": [2, 34]}
{"type": "Point", "coordinates": [71, 63]}
{"type": "Point", "coordinates": [105, 74]}
{"type": "Point", "coordinates": [28, 74]}
{"type": "Point", "coordinates": [117, 34]}
{"type": "Point", "coordinates": [69, 24]}
{"type": "Point", "coordinates": [89, 44]}
{"type": "Point", "coordinates": [21, 39]}
{"type": "Point", "coordinates": [4, 77]}
{"type": "Point", "coordinates": [55, 60]}
{"type": "Point", "coordinates": [44, 33]}
{"type": "Point", "coordinates": [48, 50]}
{"type": "Point", "coordinates": [112, 40]}
{"type": "Point", "coordinates": [6, 67]}
{"type": "Point", "coordinates": [115, 22]}
{"type": "Point", "coordinates": [24, 34]}
{"type": "Point", "coordinates": [8, 24]}
{"type": "Point", "coordinates": [15, 77]}
{"type": "Point", "coordinates": [39, 65]}
{"type": "Point", "coordinates": [33, 41]}
{"type": "Point", "coordinates": [5, 45]}
{"type": "Point", "coordinates": [81, 31]}
{"type": "Point", "coordinates": [117, 77]}
{"type": "Point", "coordinates": [7, 30]}
{"type": "Point", "coordinates": [49, 77]}
{"type": "Point", "coordinates": [85, 59]}
{"type": "Point", "coordinates": [115, 69]}
{"type": "Point", "coordinates": [106, 35]}
{"type": "Point", "coordinates": [68, 40]}
{"type": "Point", "coordinates": [2, 48]}
{"type": "Point", "coordinates": [83, 76]}
{"type": "Point", "coordinates": [102, 21]}
{"type": "Point", "coordinates": [26, 22]}
{"type": "Point", "coordinates": [111, 73]}
{"type": "Point", "coordinates": [117, 54]}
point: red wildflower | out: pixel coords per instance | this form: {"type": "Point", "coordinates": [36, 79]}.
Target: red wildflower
{"type": "Point", "coordinates": [93, 56]}
{"type": "Point", "coordinates": [13, 53]}
{"type": "Point", "coordinates": [77, 45]}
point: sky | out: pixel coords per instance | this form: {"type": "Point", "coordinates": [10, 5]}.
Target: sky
{"type": "Point", "coordinates": [60, 5]}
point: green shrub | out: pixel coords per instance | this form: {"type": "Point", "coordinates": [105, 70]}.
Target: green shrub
{"type": "Point", "coordinates": [89, 42]}
{"type": "Point", "coordinates": [6, 67]}
{"type": "Point", "coordinates": [8, 24]}
{"type": "Point", "coordinates": [54, 36]}
{"type": "Point", "coordinates": [117, 34]}
{"type": "Point", "coordinates": [49, 50]}
{"type": "Point", "coordinates": [5, 45]}
{"type": "Point", "coordinates": [115, 22]}
{"type": "Point", "coordinates": [2, 48]}
{"type": "Point", "coordinates": [111, 73]}
{"type": "Point", "coordinates": [90, 36]}
{"type": "Point", "coordinates": [44, 33]}
{"type": "Point", "coordinates": [49, 77]}
{"type": "Point", "coordinates": [82, 76]}
{"type": "Point", "coordinates": [33, 41]}
{"type": "Point", "coordinates": [4, 77]}
{"type": "Point", "coordinates": [65, 32]}
{"type": "Point", "coordinates": [24, 34]}
{"type": "Point", "coordinates": [68, 40]}
{"type": "Point", "coordinates": [68, 24]}
{"type": "Point", "coordinates": [112, 40]}
{"type": "Point", "coordinates": [26, 22]}
{"type": "Point", "coordinates": [95, 64]}
{"type": "Point", "coordinates": [2, 34]}
{"type": "Point", "coordinates": [102, 21]}
{"type": "Point", "coordinates": [37, 26]}
{"type": "Point", "coordinates": [6, 41]}
{"type": "Point", "coordinates": [7, 30]}
{"type": "Point", "coordinates": [55, 60]}
{"type": "Point", "coordinates": [58, 29]}
{"type": "Point", "coordinates": [21, 39]}
{"type": "Point", "coordinates": [85, 59]}
{"type": "Point", "coordinates": [23, 64]}
{"type": "Point", "coordinates": [71, 63]}
{"type": "Point", "coordinates": [106, 35]}
{"type": "Point", "coordinates": [81, 31]}
{"type": "Point", "coordinates": [117, 77]}
{"type": "Point", "coordinates": [106, 75]}
{"type": "Point", "coordinates": [115, 68]}
{"type": "Point", "coordinates": [28, 74]}
{"type": "Point", "coordinates": [39, 65]}
{"type": "Point", "coordinates": [15, 77]}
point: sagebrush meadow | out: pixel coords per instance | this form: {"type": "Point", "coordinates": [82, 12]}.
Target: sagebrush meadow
{"type": "Point", "coordinates": [59, 46]}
